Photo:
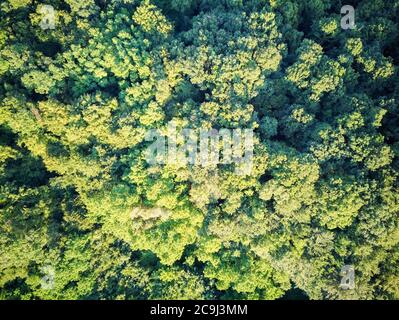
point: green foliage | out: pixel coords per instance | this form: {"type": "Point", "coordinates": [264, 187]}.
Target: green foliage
{"type": "Point", "coordinates": [79, 200]}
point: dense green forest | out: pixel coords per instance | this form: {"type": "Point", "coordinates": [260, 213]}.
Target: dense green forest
{"type": "Point", "coordinates": [83, 215]}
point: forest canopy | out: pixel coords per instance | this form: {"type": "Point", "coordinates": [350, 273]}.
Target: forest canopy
{"type": "Point", "coordinates": [83, 215]}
